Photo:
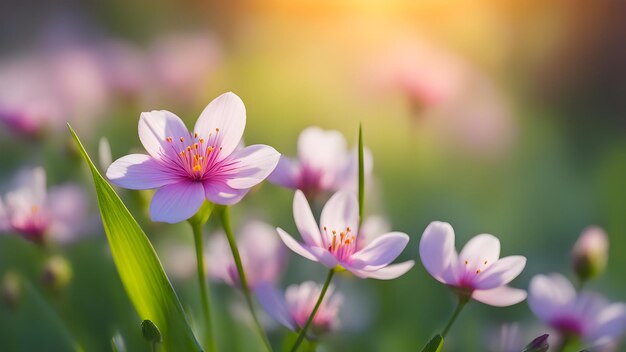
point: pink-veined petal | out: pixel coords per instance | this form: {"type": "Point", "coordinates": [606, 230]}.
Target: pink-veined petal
{"type": "Point", "coordinates": [340, 212]}
{"type": "Point", "coordinates": [500, 273]}
{"type": "Point", "coordinates": [275, 305]}
{"type": "Point", "coordinates": [176, 202]}
{"type": "Point", "coordinates": [382, 251]}
{"type": "Point", "coordinates": [550, 295]}
{"type": "Point", "coordinates": [154, 128]}
{"type": "Point", "coordinates": [386, 273]}
{"type": "Point", "coordinates": [251, 165]}
{"type": "Point", "coordinates": [295, 246]}
{"type": "Point", "coordinates": [220, 193]}
{"type": "Point", "coordinates": [480, 248]}
{"type": "Point", "coordinates": [305, 222]}
{"type": "Point", "coordinates": [502, 296]}
{"type": "Point", "coordinates": [228, 114]}
{"type": "Point", "coordinates": [140, 171]}
{"type": "Point", "coordinates": [286, 173]}
{"type": "Point", "coordinates": [437, 251]}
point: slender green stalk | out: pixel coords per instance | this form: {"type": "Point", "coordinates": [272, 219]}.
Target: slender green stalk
{"type": "Point", "coordinates": [459, 307]}
{"type": "Point", "coordinates": [204, 287]}
{"type": "Point", "coordinates": [242, 276]}
{"type": "Point", "coordinates": [361, 177]}
{"type": "Point", "coordinates": [303, 331]}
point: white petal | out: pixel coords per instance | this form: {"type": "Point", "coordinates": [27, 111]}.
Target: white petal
{"type": "Point", "coordinates": [437, 251]}
{"type": "Point", "coordinates": [502, 296]}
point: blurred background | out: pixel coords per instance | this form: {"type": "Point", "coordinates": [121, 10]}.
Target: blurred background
{"type": "Point", "coordinates": [504, 117]}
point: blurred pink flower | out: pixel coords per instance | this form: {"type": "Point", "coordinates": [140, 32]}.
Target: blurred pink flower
{"type": "Point", "coordinates": [38, 215]}
{"type": "Point", "coordinates": [188, 168]}
{"type": "Point", "coordinates": [125, 68]}
{"type": "Point", "coordinates": [323, 164]}
{"type": "Point", "coordinates": [335, 242]}
{"type": "Point", "coordinates": [477, 272]}
{"type": "Point", "coordinates": [262, 254]}
{"type": "Point", "coordinates": [29, 103]}
{"type": "Point", "coordinates": [182, 65]}
{"type": "Point", "coordinates": [293, 309]}
{"type": "Point", "coordinates": [590, 253]}
{"type": "Point", "coordinates": [508, 339]}
{"type": "Point", "coordinates": [448, 96]}
{"type": "Point", "coordinates": [589, 316]}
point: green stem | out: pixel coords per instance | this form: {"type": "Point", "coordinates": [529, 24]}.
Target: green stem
{"type": "Point", "coordinates": [459, 307]}
{"type": "Point", "coordinates": [242, 276]}
{"type": "Point", "coordinates": [196, 226]}
{"type": "Point", "coordinates": [302, 334]}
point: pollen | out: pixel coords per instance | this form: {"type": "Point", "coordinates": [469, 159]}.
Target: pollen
{"type": "Point", "coordinates": [197, 168]}
{"type": "Point", "coordinates": [195, 135]}
{"type": "Point", "coordinates": [466, 262]}
{"type": "Point", "coordinates": [477, 271]}
{"type": "Point", "coordinates": [169, 139]}
{"type": "Point", "coordinates": [485, 262]}
{"type": "Point", "coordinates": [182, 139]}
{"type": "Point", "coordinates": [217, 129]}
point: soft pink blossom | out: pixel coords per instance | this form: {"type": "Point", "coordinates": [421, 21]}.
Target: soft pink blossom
{"type": "Point", "coordinates": [335, 242]}
{"type": "Point", "coordinates": [38, 215]}
{"type": "Point", "coordinates": [587, 315]}
{"type": "Point", "coordinates": [324, 164]}
{"type": "Point", "coordinates": [262, 255]}
{"type": "Point", "coordinates": [478, 271]}
{"type": "Point", "coordinates": [189, 167]}
{"type": "Point", "coordinates": [294, 307]}
{"type": "Point", "coordinates": [29, 103]}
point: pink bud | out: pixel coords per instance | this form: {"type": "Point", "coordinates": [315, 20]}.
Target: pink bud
{"type": "Point", "coordinates": [590, 253]}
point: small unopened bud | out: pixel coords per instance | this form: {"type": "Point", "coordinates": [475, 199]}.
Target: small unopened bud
{"type": "Point", "coordinates": [150, 332]}
{"type": "Point", "coordinates": [540, 344]}
{"type": "Point", "coordinates": [11, 289]}
{"type": "Point", "coordinates": [57, 273]}
{"type": "Point", "coordinates": [590, 253]}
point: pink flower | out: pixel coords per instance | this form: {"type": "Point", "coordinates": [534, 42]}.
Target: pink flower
{"type": "Point", "coordinates": [37, 214]}
{"type": "Point", "coordinates": [29, 103]}
{"type": "Point", "coordinates": [478, 271]}
{"type": "Point", "coordinates": [293, 309]}
{"type": "Point", "coordinates": [324, 164]}
{"type": "Point", "coordinates": [262, 255]}
{"type": "Point", "coordinates": [188, 168]}
{"type": "Point", "coordinates": [335, 242]}
{"type": "Point", "coordinates": [586, 315]}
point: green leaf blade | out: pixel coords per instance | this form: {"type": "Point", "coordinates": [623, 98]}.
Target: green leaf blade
{"type": "Point", "coordinates": [139, 267]}
{"type": "Point", "coordinates": [434, 345]}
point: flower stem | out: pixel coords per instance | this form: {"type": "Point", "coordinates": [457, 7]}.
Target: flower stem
{"type": "Point", "coordinates": [242, 276]}
{"type": "Point", "coordinates": [462, 302]}
{"type": "Point", "coordinates": [202, 282]}
{"type": "Point", "coordinates": [302, 334]}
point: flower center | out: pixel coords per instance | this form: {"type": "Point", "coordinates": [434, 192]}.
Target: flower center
{"type": "Point", "coordinates": [340, 243]}
{"type": "Point", "coordinates": [197, 155]}
{"type": "Point", "coordinates": [473, 268]}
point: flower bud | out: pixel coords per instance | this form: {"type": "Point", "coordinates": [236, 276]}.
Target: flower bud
{"type": "Point", "coordinates": [590, 253]}
{"type": "Point", "coordinates": [57, 273]}
{"type": "Point", "coordinates": [11, 289]}
{"type": "Point", "coordinates": [540, 344]}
